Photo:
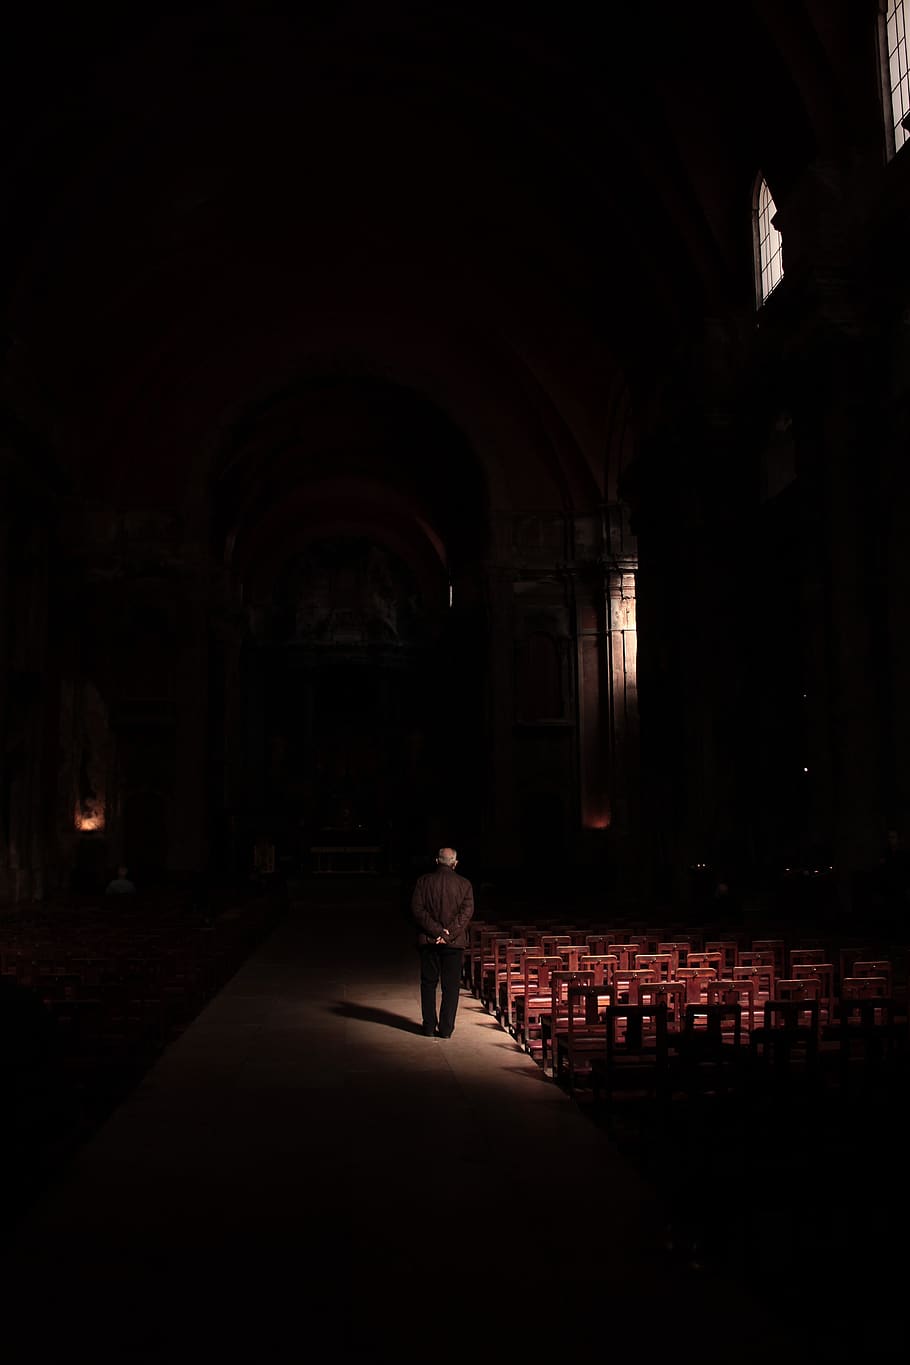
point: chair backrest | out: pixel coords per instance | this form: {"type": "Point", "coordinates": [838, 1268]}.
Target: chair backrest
{"type": "Point", "coordinates": [633, 1029]}
{"type": "Point", "coordinates": [709, 957]}
{"type": "Point", "coordinates": [851, 953]}
{"type": "Point", "coordinates": [662, 963]}
{"type": "Point", "coordinates": [711, 1020]}
{"type": "Point", "coordinates": [729, 952]}
{"type": "Point", "coordinates": [797, 988]}
{"type": "Point", "coordinates": [679, 947]}
{"type": "Point", "coordinates": [760, 964]}
{"type": "Point", "coordinates": [794, 1017]}
{"type": "Point", "coordinates": [800, 956]}
{"type": "Point", "coordinates": [603, 965]}
{"type": "Point", "coordinates": [696, 979]}
{"type": "Point", "coordinates": [624, 954]}
{"type": "Point", "coordinates": [672, 993]}
{"type": "Point", "coordinates": [571, 953]}
{"type": "Point", "coordinates": [586, 1003]}
{"type": "Point", "coordinates": [741, 988]}
{"type": "Point", "coordinates": [514, 974]}
{"type": "Point", "coordinates": [549, 943]}
{"type": "Point", "coordinates": [864, 988]}
{"type": "Point", "coordinates": [504, 950]}
{"type": "Point", "coordinates": [561, 982]}
{"type": "Point", "coordinates": [597, 943]}
{"type": "Point", "coordinates": [881, 966]}
{"type": "Point", "coordinates": [823, 973]}
{"type": "Point", "coordinates": [778, 950]}
{"type": "Point", "coordinates": [538, 969]}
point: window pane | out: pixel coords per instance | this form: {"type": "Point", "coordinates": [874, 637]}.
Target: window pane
{"type": "Point", "coordinates": [769, 242]}
{"type": "Point", "coordinates": [897, 76]}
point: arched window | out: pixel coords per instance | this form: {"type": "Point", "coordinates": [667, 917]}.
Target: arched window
{"type": "Point", "coordinates": [895, 72]}
{"type": "Point", "coordinates": [769, 264]}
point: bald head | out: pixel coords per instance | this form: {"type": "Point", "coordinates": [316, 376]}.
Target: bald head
{"type": "Point", "coordinates": [447, 856]}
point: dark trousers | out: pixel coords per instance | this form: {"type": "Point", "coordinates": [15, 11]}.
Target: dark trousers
{"type": "Point", "coordinates": [440, 965]}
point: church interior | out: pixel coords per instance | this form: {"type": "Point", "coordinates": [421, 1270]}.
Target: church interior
{"type": "Point", "coordinates": [452, 425]}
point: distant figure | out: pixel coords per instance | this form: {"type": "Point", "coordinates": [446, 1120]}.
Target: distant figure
{"type": "Point", "coordinates": [442, 906]}
{"type": "Point", "coordinates": [121, 884]}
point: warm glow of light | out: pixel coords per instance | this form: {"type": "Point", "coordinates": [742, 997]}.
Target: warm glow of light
{"type": "Point", "coordinates": [601, 820]}
{"type": "Point", "coordinates": [90, 817]}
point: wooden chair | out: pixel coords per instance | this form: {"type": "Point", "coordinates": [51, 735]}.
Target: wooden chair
{"type": "Point", "coordinates": [554, 1020]}
{"type": "Point", "coordinates": [662, 963]}
{"type": "Point", "coordinates": [696, 979]}
{"type": "Point", "coordinates": [485, 967]}
{"type": "Point", "coordinates": [584, 1035]}
{"type": "Point", "coordinates": [823, 973]}
{"type": "Point", "coordinates": [729, 954]}
{"type": "Point", "coordinates": [761, 974]}
{"type": "Point", "coordinates": [511, 980]}
{"type": "Point", "coordinates": [712, 958]}
{"type": "Point", "coordinates": [494, 975]}
{"type": "Point", "coordinates": [709, 1055]}
{"type": "Point", "coordinates": [534, 999]}
{"type": "Point", "coordinates": [470, 970]}
{"type": "Point", "coordinates": [736, 991]}
{"type": "Point", "coordinates": [680, 949]}
{"type": "Point", "coordinates": [778, 950]}
{"type": "Point", "coordinates": [603, 965]}
{"type": "Point", "coordinates": [635, 1061]}
{"type": "Point", "coordinates": [799, 957]}
{"type": "Point", "coordinates": [868, 1034]}
{"type": "Point", "coordinates": [671, 993]}
{"type": "Point", "coordinates": [626, 983]}
{"type": "Point", "coordinates": [550, 942]}
{"type": "Point", "coordinates": [879, 966]}
{"type": "Point", "coordinates": [854, 952]}
{"type": "Point", "coordinates": [864, 988]}
{"type": "Point", "coordinates": [624, 954]}
{"type": "Point", "coordinates": [788, 1040]}
{"type": "Point", "coordinates": [571, 953]}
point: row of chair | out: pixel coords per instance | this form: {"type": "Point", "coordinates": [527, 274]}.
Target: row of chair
{"type": "Point", "coordinates": [582, 1012]}
{"type": "Point", "coordinates": [119, 986]}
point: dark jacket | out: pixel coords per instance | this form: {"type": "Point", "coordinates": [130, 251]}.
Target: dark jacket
{"type": "Point", "coordinates": [443, 900]}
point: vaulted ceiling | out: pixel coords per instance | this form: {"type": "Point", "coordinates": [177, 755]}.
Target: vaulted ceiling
{"type": "Point", "coordinates": [254, 251]}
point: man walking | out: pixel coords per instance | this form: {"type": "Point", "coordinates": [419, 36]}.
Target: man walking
{"type": "Point", "coordinates": [442, 906]}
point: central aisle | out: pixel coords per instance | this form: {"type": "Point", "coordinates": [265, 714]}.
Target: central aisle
{"type": "Point", "coordinates": [303, 1167]}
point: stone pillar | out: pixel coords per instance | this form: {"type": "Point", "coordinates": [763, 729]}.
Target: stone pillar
{"type": "Point", "coordinates": [622, 660]}
{"type": "Point", "coordinates": [592, 668]}
{"type": "Point", "coordinates": [28, 806]}
{"type": "Point", "coordinates": [839, 367]}
{"type": "Point", "coordinates": [848, 668]}
{"type": "Point", "coordinates": [224, 790]}
{"type": "Point", "coordinates": [503, 837]}
{"type": "Point", "coordinates": [5, 668]}
{"type": "Point", "coordinates": [188, 843]}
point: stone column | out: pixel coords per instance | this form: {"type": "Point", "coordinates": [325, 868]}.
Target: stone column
{"type": "Point", "coordinates": [622, 661]}
{"type": "Point", "coordinates": [188, 843]}
{"type": "Point", "coordinates": [501, 823]}
{"type": "Point", "coordinates": [835, 352]}
{"type": "Point", "coordinates": [28, 810]}
{"type": "Point", "coordinates": [5, 668]}
{"type": "Point", "coordinates": [846, 698]}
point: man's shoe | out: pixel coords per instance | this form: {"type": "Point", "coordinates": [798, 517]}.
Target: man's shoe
{"type": "Point", "coordinates": [440, 1034]}
{"type": "Point", "coordinates": [429, 1033]}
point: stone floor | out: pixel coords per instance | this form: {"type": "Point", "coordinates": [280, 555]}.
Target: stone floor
{"type": "Point", "coordinates": [303, 1172]}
